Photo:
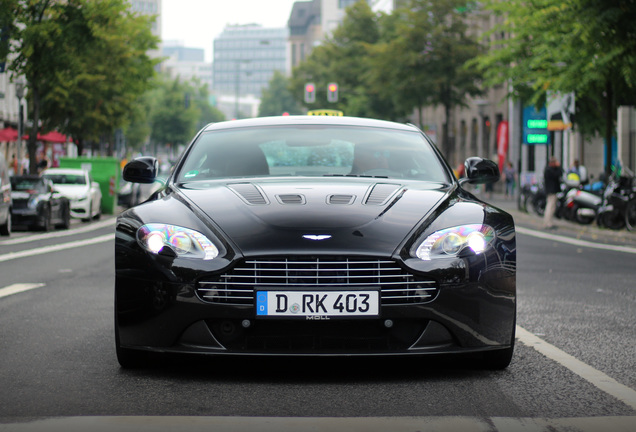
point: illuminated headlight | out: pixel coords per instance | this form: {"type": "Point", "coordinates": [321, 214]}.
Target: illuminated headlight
{"type": "Point", "coordinates": [452, 241]}
{"type": "Point", "coordinates": [184, 242]}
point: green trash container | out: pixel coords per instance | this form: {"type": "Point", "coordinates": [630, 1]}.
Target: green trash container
{"type": "Point", "coordinates": [106, 171]}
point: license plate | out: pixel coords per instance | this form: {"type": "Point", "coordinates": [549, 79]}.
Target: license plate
{"type": "Point", "coordinates": [316, 304]}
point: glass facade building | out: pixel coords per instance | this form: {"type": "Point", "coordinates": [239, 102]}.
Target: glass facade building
{"type": "Point", "coordinates": [245, 58]}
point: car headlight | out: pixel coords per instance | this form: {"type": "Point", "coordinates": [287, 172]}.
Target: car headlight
{"type": "Point", "coordinates": [33, 202]}
{"type": "Point", "coordinates": [184, 242]}
{"type": "Point", "coordinates": [452, 241]}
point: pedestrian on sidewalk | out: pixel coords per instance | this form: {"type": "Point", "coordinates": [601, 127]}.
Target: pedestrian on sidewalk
{"type": "Point", "coordinates": [510, 177]}
{"type": "Point", "coordinates": [552, 175]}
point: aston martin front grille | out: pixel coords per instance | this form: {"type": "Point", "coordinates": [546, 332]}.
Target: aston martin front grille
{"type": "Point", "coordinates": [237, 287]}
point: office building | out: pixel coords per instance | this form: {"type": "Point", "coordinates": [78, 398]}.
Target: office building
{"type": "Point", "coordinates": [245, 58]}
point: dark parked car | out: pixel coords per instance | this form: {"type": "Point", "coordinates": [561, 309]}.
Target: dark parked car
{"type": "Point", "coordinates": [132, 194]}
{"type": "Point", "coordinates": [37, 205]}
{"type": "Point", "coordinates": [5, 198]}
{"type": "Point", "coordinates": [314, 236]}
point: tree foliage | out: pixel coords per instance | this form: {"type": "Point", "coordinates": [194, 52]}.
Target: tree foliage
{"type": "Point", "coordinates": [423, 59]}
{"type": "Point", "coordinates": [175, 111]}
{"type": "Point", "coordinates": [583, 46]}
{"type": "Point", "coordinates": [344, 59]}
{"type": "Point", "coordinates": [277, 98]}
{"type": "Point", "coordinates": [85, 63]}
{"type": "Point", "coordinates": [388, 65]}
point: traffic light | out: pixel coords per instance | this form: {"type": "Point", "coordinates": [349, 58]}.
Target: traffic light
{"type": "Point", "coordinates": [332, 92]}
{"type": "Point", "coordinates": [310, 93]}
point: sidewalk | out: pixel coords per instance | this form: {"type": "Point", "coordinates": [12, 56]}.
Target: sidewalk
{"type": "Point", "coordinates": [567, 228]}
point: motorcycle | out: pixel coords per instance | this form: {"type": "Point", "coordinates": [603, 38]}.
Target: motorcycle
{"type": "Point", "coordinates": [538, 198]}
{"type": "Point", "coordinates": [528, 197]}
{"type": "Point", "coordinates": [582, 206]}
{"type": "Point", "coordinates": [630, 213]}
{"type": "Point", "coordinates": [616, 196]}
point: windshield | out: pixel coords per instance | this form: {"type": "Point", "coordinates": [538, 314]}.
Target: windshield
{"type": "Point", "coordinates": [312, 151]}
{"type": "Point", "coordinates": [66, 179]}
{"type": "Point", "coordinates": [30, 185]}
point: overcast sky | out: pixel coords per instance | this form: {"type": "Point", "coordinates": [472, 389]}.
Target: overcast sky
{"type": "Point", "coordinates": [197, 22]}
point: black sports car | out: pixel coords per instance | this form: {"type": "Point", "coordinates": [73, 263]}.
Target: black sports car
{"type": "Point", "coordinates": [37, 205]}
{"type": "Point", "coordinates": [314, 236]}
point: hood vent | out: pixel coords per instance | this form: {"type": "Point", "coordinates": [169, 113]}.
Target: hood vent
{"type": "Point", "coordinates": [341, 199]}
{"type": "Point", "coordinates": [381, 193]}
{"type": "Point", "coordinates": [249, 193]}
{"type": "Point", "coordinates": [290, 199]}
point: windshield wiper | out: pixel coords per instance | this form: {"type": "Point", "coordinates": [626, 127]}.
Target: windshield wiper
{"type": "Point", "coordinates": [356, 175]}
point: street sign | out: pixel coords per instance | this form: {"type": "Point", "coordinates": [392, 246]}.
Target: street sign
{"type": "Point", "coordinates": [535, 126]}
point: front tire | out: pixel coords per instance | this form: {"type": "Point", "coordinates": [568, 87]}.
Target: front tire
{"type": "Point", "coordinates": [613, 220]}
{"type": "Point", "coordinates": [582, 219]}
{"type": "Point", "coordinates": [45, 225]}
{"type": "Point", "coordinates": [5, 228]}
{"type": "Point", "coordinates": [131, 359]}
{"type": "Point", "coordinates": [630, 215]}
{"type": "Point", "coordinates": [128, 358]}
{"type": "Point", "coordinates": [538, 205]}
{"type": "Point", "coordinates": [66, 224]}
{"type": "Point", "coordinates": [501, 358]}
{"type": "Point", "coordinates": [497, 359]}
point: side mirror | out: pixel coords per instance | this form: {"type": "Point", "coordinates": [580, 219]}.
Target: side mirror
{"type": "Point", "coordinates": [480, 171]}
{"type": "Point", "coordinates": [141, 170]}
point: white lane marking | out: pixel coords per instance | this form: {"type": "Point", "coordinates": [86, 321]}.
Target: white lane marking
{"type": "Point", "coordinates": [575, 242]}
{"type": "Point", "coordinates": [320, 424]}
{"type": "Point", "coordinates": [54, 234]}
{"type": "Point", "coordinates": [588, 373]}
{"type": "Point", "coordinates": [18, 288]}
{"type": "Point", "coordinates": [54, 248]}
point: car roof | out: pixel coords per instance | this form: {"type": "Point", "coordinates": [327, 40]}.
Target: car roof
{"type": "Point", "coordinates": [27, 177]}
{"type": "Point", "coordinates": [309, 120]}
{"type": "Point", "coordinates": [64, 171]}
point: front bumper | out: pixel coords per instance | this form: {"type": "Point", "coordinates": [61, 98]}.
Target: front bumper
{"type": "Point", "coordinates": [474, 310]}
{"type": "Point", "coordinates": [26, 217]}
{"type": "Point", "coordinates": [80, 209]}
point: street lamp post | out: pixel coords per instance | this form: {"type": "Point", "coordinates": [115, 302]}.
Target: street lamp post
{"type": "Point", "coordinates": [483, 149]}
{"type": "Point", "coordinates": [19, 93]}
{"type": "Point", "coordinates": [237, 85]}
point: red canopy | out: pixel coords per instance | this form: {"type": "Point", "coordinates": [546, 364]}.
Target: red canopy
{"type": "Point", "coordinates": [54, 137]}
{"type": "Point", "coordinates": [8, 134]}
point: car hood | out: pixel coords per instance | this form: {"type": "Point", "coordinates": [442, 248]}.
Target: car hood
{"type": "Point", "coordinates": [72, 191]}
{"type": "Point", "coordinates": [363, 216]}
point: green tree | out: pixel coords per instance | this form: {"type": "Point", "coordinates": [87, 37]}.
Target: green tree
{"type": "Point", "coordinates": [178, 110]}
{"type": "Point", "coordinates": [277, 98]}
{"type": "Point", "coordinates": [170, 113]}
{"type": "Point", "coordinates": [344, 59]}
{"type": "Point", "coordinates": [84, 61]}
{"type": "Point", "coordinates": [422, 61]}
{"type": "Point", "coordinates": [583, 46]}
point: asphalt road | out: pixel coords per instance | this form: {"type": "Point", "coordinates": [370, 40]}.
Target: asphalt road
{"type": "Point", "coordinates": [574, 367]}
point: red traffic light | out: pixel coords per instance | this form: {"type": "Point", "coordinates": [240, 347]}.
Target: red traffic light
{"type": "Point", "coordinates": [310, 93]}
{"type": "Point", "coordinates": [332, 92]}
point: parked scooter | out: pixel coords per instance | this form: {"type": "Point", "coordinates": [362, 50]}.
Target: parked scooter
{"type": "Point", "coordinates": [538, 199]}
{"type": "Point", "coordinates": [630, 212]}
{"type": "Point", "coordinates": [617, 194]}
{"type": "Point", "coordinates": [582, 206]}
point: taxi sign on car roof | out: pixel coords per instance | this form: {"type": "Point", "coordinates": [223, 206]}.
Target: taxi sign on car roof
{"type": "Point", "coordinates": [325, 112]}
